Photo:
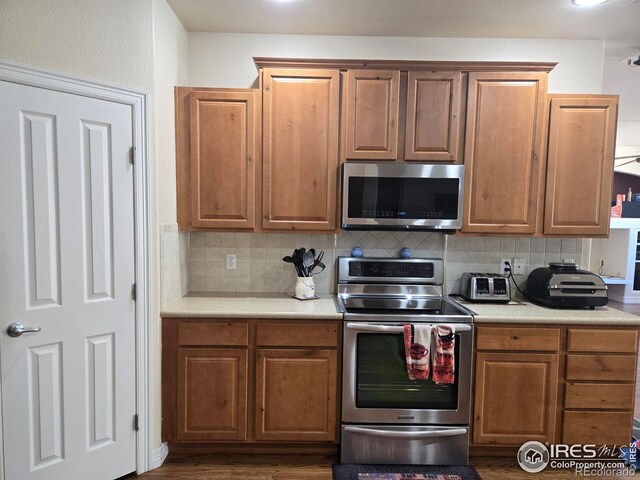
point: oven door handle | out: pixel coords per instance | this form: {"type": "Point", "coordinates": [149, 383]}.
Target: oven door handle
{"type": "Point", "coordinates": [410, 435]}
{"type": "Point", "coordinates": [368, 327]}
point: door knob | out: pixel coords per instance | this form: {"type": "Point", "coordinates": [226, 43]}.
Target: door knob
{"type": "Point", "coordinates": [17, 329]}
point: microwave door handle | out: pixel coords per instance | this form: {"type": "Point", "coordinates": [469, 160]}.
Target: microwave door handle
{"type": "Point", "coordinates": [407, 435]}
{"type": "Point", "coordinates": [367, 327]}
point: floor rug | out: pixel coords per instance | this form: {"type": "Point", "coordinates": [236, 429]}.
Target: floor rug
{"type": "Point", "coordinates": [356, 471]}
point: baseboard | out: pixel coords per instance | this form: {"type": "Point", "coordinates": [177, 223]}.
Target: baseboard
{"type": "Point", "coordinates": [252, 448]}
{"type": "Point", "coordinates": [159, 455]}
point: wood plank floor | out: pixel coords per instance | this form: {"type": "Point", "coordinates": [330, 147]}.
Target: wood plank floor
{"type": "Point", "coordinates": [310, 467]}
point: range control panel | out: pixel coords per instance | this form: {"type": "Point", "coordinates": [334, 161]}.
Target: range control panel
{"type": "Point", "coordinates": [484, 287]}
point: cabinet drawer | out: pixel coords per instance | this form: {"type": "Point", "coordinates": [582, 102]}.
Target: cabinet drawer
{"type": "Point", "coordinates": [601, 367]}
{"type": "Point", "coordinates": [213, 334]}
{"type": "Point", "coordinates": [297, 335]}
{"type": "Point", "coordinates": [599, 428]}
{"type": "Point", "coordinates": [599, 395]}
{"type": "Point", "coordinates": [598, 340]}
{"type": "Point", "coordinates": [519, 339]}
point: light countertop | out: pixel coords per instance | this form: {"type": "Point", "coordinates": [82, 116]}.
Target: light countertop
{"type": "Point", "coordinates": [516, 312]}
{"type": "Point", "coordinates": [247, 305]}
{"type": "Point", "coordinates": [273, 305]}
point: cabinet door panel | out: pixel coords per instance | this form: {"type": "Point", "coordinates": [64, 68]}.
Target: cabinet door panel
{"type": "Point", "coordinates": [300, 149]}
{"type": "Point", "coordinates": [505, 113]}
{"type": "Point", "coordinates": [601, 367]}
{"type": "Point", "coordinates": [582, 137]}
{"type": "Point", "coordinates": [213, 333]}
{"type": "Point", "coordinates": [433, 116]}
{"type": "Point", "coordinates": [516, 398]}
{"type": "Point", "coordinates": [372, 114]}
{"type": "Point", "coordinates": [518, 338]}
{"type": "Point", "coordinates": [599, 428]}
{"type": "Point", "coordinates": [599, 395]}
{"type": "Point", "coordinates": [602, 340]}
{"type": "Point", "coordinates": [297, 335]}
{"type": "Point", "coordinates": [212, 394]}
{"type": "Point", "coordinates": [296, 395]}
{"type": "Point", "coordinates": [223, 158]}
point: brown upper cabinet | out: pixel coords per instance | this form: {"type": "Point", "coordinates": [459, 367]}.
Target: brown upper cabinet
{"type": "Point", "coordinates": [503, 145]}
{"type": "Point", "coordinates": [300, 149]}
{"type": "Point", "coordinates": [582, 134]}
{"type": "Point", "coordinates": [371, 114]}
{"type": "Point", "coordinates": [221, 179]}
{"type": "Point", "coordinates": [268, 159]}
{"type": "Point", "coordinates": [218, 153]}
{"type": "Point", "coordinates": [433, 118]}
{"type": "Point", "coordinates": [380, 126]}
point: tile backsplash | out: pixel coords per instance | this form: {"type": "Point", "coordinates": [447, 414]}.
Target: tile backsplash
{"type": "Point", "coordinates": [174, 262]}
{"type": "Point", "coordinates": [260, 267]}
{"type": "Point", "coordinates": [483, 254]}
{"type": "Point", "coordinates": [389, 244]}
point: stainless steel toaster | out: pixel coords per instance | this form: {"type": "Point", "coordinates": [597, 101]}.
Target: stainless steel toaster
{"type": "Point", "coordinates": [484, 287]}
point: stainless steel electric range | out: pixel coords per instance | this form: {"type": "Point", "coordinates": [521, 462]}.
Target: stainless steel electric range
{"type": "Point", "coordinates": [387, 418]}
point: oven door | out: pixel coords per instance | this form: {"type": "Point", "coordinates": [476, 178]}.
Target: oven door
{"type": "Point", "coordinates": [376, 387]}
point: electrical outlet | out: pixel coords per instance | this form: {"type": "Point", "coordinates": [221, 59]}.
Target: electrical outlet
{"type": "Point", "coordinates": [518, 266]}
{"type": "Point", "coordinates": [503, 269]}
{"type": "Point", "coordinates": [231, 261]}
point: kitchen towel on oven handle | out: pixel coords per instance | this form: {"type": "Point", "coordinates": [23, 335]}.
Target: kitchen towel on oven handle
{"type": "Point", "coordinates": [417, 342]}
{"type": "Point", "coordinates": [443, 353]}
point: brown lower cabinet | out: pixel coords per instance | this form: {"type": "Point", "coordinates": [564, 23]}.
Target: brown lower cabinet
{"type": "Point", "coordinates": [556, 384]}
{"type": "Point", "coordinates": [250, 381]}
{"type": "Point", "coordinates": [296, 394]}
{"type": "Point", "coordinates": [516, 397]}
{"type": "Point", "coordinates": [212, 394]}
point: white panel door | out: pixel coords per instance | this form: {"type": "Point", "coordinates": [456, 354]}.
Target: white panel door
{"type": "Point", "coordinates": [67, 267]}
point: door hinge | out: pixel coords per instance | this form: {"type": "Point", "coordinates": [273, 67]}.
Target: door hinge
{"type": "Point", "coordinates": [132, 155]}
{"type": "Point", "coordinates": [136, 425]}
{"type": "Point", "coordinates": [134, 291]}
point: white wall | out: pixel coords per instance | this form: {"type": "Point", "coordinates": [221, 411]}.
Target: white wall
{"type": "Point", "coordinates": [624, 80]}
{"type": "Point", "coordinates": [107, 41]}
{"type": "Point", "coordinates": [169, 69]}
{"type": "Point", "coordinates": [225, 59]}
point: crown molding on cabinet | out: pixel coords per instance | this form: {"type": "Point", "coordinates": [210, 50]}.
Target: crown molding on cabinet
{"type": "Point", "coordinates": [348, 64]}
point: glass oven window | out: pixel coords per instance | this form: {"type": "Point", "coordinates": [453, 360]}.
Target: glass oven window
{"type": "Point", "coordinates": [382, 380]}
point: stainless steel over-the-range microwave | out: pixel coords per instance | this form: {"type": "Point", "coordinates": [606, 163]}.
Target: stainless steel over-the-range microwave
{"type": "Point", "coordinates": [389, 196]}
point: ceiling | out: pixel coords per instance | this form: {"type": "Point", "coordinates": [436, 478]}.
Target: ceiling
{"type": "Point", "coordinates": [616, 21]}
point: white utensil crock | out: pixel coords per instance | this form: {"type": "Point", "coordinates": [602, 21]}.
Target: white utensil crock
{"type": "Point", "coordinates": [305, 288]}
